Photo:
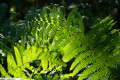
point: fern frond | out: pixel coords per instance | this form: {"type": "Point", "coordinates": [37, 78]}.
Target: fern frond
{"type": "Point", "coordinates": [88, 50]}
{"type": "Point", "coordinates": [13, 68]}
{"type": "Point", "coordinates": [96, 59]}
{"type": "Point", "coordinates": [74, 20]}
{"type": "Point", "coordinates": [18, 57]}
{"type": "Point", "coordinates": [3, 72]}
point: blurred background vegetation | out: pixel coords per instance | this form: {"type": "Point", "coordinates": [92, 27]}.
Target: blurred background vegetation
{"type": "Point", "coordinates": [92, 11]}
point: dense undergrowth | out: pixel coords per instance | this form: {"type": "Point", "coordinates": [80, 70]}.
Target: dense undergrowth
{"type": "Point", "coordinates": [48, 46]}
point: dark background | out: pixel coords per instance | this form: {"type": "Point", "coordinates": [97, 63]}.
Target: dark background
{"type": "Point", "coordinates": [92, 11]}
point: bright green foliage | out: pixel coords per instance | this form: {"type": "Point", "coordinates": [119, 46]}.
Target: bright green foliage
{"type": "Point", "coordinates": [98, 51]}
{"type": "Point", "coordinates": [53, 41]}
{"type": "Point", "coordinates": [17, 66]}
{"type": "Point", "coordinates": [3, 72]}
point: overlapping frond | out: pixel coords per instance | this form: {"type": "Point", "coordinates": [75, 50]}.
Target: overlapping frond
{"type": "Point", "coordinates": [100, 46]}
{"type": "Point", "coordinates": [54, 41]}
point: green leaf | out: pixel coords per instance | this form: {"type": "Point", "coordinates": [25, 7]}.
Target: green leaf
{"type": "Point", "coordinates": [18, 56]}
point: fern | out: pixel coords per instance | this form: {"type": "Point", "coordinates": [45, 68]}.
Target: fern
{"type": "Point", "coordinates": [54, 41]}
{"type": "Point", "coordinates": [19, 65]}
{"type": "Point", "coordinates": [96, 53]}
